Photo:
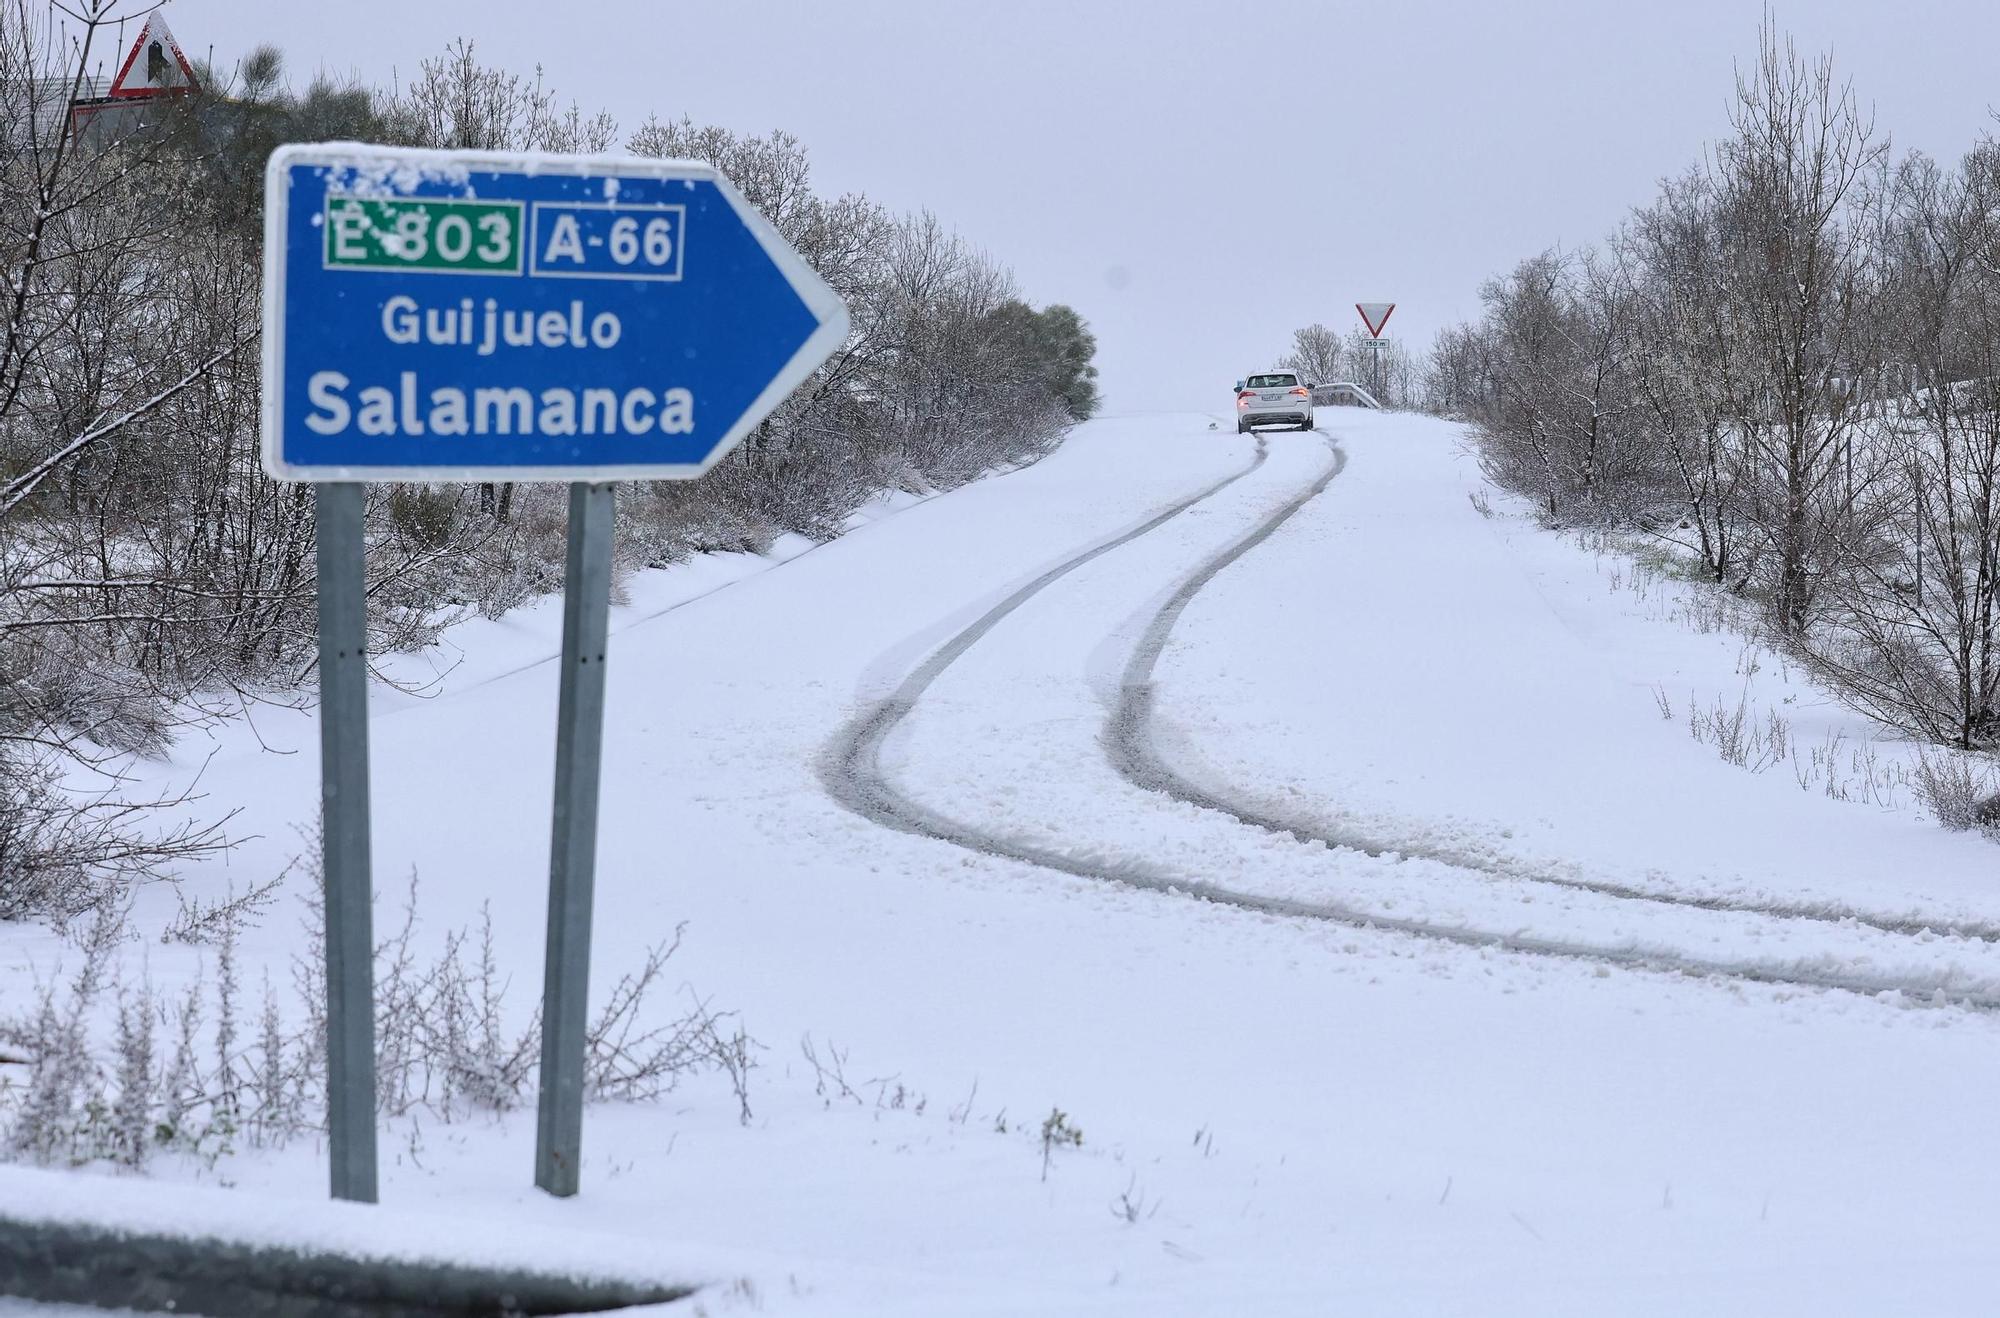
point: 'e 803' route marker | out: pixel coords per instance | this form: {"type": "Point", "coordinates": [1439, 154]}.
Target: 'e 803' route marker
{"type": "Point", "coordinates": [474, 315]}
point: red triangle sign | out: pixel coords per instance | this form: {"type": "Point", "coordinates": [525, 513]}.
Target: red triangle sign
{"type": "Point", "coordinates": [1375, 315]}
{"type": "Point", "coordinates": [155, 66]}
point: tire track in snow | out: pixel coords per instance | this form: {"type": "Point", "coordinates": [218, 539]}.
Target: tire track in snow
{"type": "Point", "coordinates": [852, 773]}
{"type": "Point", "coordinates": [1135, 755]}
{"type": "Point", "coordinates": [851, 768]}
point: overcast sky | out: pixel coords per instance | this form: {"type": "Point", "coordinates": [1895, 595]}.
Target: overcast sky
{"type": "Point", "coordinates": [1198, 178]}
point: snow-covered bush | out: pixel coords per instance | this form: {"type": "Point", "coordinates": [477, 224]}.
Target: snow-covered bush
{"type": "Point", "coordinates": [117, 1070]}
{"type": "Point", "coordinates": [1958, 790]}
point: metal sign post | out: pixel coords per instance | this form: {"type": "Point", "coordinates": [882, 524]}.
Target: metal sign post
{"type": "Point", "coordinates": [477, 315]}
{"type": "Point", "coordinates": [1376, 374]}
{"type": "Point", "coordinates": [573, 852]}
{"type": "Point", "coordinates": [343, 751]}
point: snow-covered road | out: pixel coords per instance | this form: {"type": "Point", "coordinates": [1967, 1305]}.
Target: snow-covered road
{"type": "Point", "coordinates": [1030, 708]}
{"type": "Point", "coordinates": [1507, 996]}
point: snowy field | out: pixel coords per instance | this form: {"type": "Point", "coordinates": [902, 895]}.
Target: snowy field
{"type": "Point", "coordinates": [1336, 856]}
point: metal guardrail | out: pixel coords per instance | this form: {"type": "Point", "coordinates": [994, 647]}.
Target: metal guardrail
{"type": "Point", "coordinates": [1344, 393]}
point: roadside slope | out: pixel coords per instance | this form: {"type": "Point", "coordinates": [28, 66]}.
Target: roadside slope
{"type": "Point", "coordinates": [1402, 667]}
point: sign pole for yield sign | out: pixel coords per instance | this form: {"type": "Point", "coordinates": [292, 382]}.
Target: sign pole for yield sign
{"type": "Point", "coordinates": [487, 316]}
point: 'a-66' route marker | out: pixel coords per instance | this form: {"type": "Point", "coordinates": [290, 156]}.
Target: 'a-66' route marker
{"type": "Point", "coordinates": [472, 315]}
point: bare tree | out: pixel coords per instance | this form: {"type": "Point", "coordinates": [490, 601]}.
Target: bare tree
{"type": "Point", "coordinates": [80, 226]}
{"type": "Point", "coordinates": [1458, 374]}
{"type": "Point", "coordinates": [1912, 632]}
{"type": "Point", "coordinates": [1792, 185]}
{"type": "Point", "coordinates": [1688, 375]}
{"type": "Point", "coordinates": [1318, 353]}
{"type": "Point", "coordinates": [1558, 394]}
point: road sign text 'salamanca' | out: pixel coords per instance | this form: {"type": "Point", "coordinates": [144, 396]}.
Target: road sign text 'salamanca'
{"type": "Point", "coordinates": [458, 316]}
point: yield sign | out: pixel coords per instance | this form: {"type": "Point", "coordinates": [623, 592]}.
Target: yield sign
{"type": "Point", "coordinates": [154, 66]}
{"type": "Point", "coordinates": [1375, 315]}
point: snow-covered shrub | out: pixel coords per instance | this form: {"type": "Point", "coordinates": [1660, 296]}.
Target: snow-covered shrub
{"type": "Point", "coordinates": [66, 717]}
{"type": "Point", "coordinates": [1058, 1132]}
{"type": "Point", "coordinates": [119, 1070]}
{"type": "Point", "coordinates": [426, 516]}
{"type": "Point", "coordinates": [60, 850]}
{"type": "Point", "coordinates": [1959, 790]}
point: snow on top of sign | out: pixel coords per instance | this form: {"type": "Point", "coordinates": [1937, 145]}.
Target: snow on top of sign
{"type": "Point", "coordinates": [377, 171]}
{"type": "Point", "coordinates": [375, 175]}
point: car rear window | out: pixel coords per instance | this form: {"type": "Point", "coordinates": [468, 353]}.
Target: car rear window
{"type": "Point", "coordinates": [1272, 382]}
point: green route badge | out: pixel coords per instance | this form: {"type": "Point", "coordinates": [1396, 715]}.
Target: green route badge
{"type": "Point", "coordinates": [442, 236]}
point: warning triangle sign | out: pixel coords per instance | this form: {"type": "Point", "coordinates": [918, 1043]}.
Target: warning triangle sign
{"type": "Point", "coordinates": [155, 65]}
{"type": "Point", "coordinates": [1375, 315]}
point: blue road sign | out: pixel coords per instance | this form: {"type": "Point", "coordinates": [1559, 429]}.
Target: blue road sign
{"type": "Point", "coordinates": [482, 315]}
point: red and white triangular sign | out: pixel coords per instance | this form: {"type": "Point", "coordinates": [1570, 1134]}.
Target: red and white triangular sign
{"type": "Point", "coordinates": [155, 66]}
{"type": "Point", "coordinates": [1375, 315]}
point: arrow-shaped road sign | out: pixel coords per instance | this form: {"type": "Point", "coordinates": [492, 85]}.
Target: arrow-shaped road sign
{"type": "Point", "coordinates": [483, 316]}
{"type": "Point", "coordinates": [479, 315]}
{"type": "Point", "coordinates": [1375, 315]}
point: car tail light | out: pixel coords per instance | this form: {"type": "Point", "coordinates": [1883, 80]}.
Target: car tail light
{"type": "Point", "coordinates": [1302, 393]}
{"type": "Point", "coordinates": [1243, 400]}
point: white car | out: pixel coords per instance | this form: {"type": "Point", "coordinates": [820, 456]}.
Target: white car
{"type": "Point", "coordinates": [1275, 398]}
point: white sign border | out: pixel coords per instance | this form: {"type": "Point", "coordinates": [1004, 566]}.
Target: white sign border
{"type": "Point", "coordinates": [632, 208]}
{"type": "Point", "coordinates": [824, 304]}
